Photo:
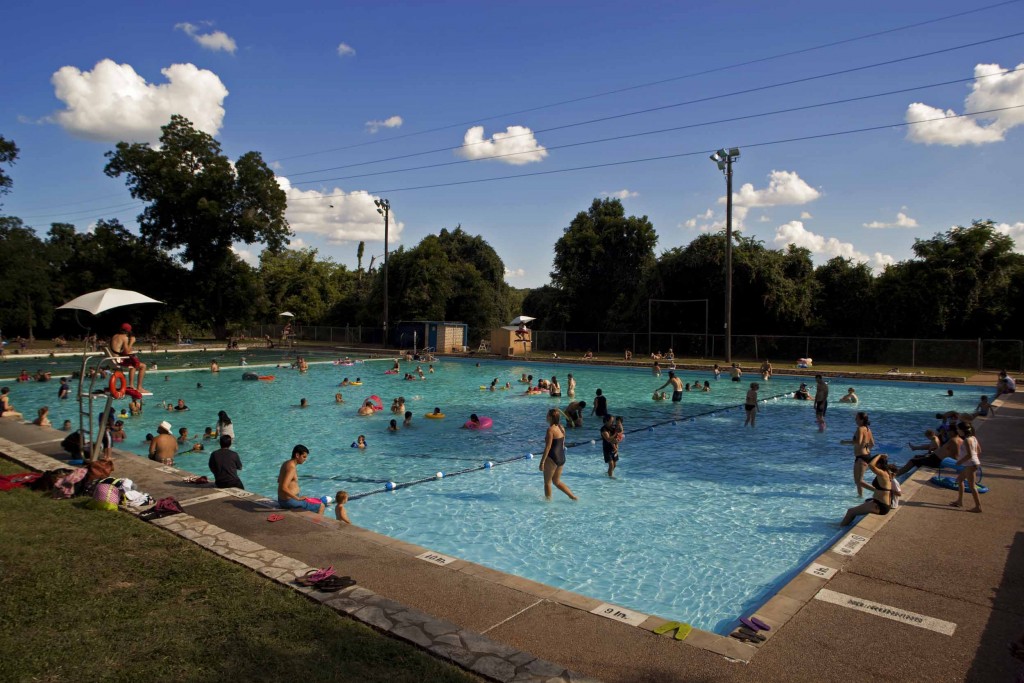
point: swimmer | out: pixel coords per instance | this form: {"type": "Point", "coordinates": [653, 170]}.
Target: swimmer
{"type": "Point", "coordinates": [474, 420]}
{"type": "Point", "coordinates": [408, 419]}
{"type": "Point", "coordinates": [345, 382]}
{"type": "Point", "coordinates": [303, 403]}
{"type": "Point", "coordinates": [677, 386]}
{"type": "Point", "coordinates": [359, 442]}
{"type": "Point", "coordinates": [508, 385]}
{"type": "Point", "coordinates": [430, 370]}
{"type": "Point", "coordinates": [659, 396]}
{"type": "Point", "coordinates": [850, 397]}
{"type": "Point", "coordinates": [340, 498]}
{"type": "Point", "coordinates": [366, 409]}
{"type": "Point", "coordinates": [802, 394]}
{"type": "Point", "coordinates": [393, 426]}
{"type": "Point", "coordinates": [718, 371]}
{"type": "Point", "coordinates": [338, 398]}
{"type": "Point", "coordinates": [437, 411]}
{"type": "Point", "coordinates": [574, 413]}
{"type": "Point", "coordinates": [571, 386]}
{"type": "Point", "coordinates": [183, 435]}
{"type": "Point", "coordinates": [66, 427]}
{"type": "Point", "coordinates": [199, 385]}
{"type": "Point", "coordinates": [522, 379]}
{"type": "Point", "coordinates": [208, 433]}
{"type": "Point", "coordinates": [707, 387]}
{"type": "Point", "coordinates": [750, 405]}
{"type": "Point", "coordinates": [656, 369]}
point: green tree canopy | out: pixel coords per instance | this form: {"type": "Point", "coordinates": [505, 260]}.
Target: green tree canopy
{"type": "Point", "coordinates": [26, 297]}
{"type": "Point", "coordinates": [8, 153]}
{"type": "Point", "coordinates": [201, 203]}
{"type": "Point", "coordinates": [598, 260]}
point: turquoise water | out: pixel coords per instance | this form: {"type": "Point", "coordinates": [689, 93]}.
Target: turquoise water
{"type": "Point", "coordinates": [703, 522]}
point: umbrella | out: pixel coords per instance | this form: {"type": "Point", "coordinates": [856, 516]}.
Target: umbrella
{"type": "Point", "coordinates": [519, 320]}
{"type": "Point", "coordinates": [106, 299]}
{"type": "Point", "coordinates": [287, 314]}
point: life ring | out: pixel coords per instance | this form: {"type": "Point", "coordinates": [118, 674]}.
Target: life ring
{"type": "Point", "coordinates": [377, 403]}
{"type": "Point", "coordinates": [267, 378]}
{"type": "Point", "coordinates": [484, 423]}
{"type": "Point", "coordinates": [118, 383]}
{"type": "Point", "coordinates": [391, 372]}
{"type": "Point", "coordinates": [434, 416]}
{"type": "Point", "coordinates": [355, 384]}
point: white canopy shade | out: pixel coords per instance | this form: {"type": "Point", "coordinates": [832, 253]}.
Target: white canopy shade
{"type": "Point", "coordinates": [106, 299]}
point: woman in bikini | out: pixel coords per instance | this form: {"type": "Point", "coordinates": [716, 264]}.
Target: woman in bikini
{"type": "Point", "coordinates": [553, 460]}
{"type": "Point", "coordinates": [881, 502]}
{"type": "Point", "coordinates": [863, 441]}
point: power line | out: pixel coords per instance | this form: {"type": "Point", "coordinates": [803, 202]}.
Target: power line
{"type": "Point", "coordinates": [708, 98]}
{"type": "Point", "coordinates": [804, 138]}
{"type": "Point", "coordinates": [84, 211]}
{"type": "Point", "coordinates": [732, 119]}
{"type": "Point", "coordinates": [693, 74]}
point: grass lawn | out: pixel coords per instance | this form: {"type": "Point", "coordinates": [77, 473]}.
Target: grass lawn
{"type": "Point", "coordinates": [89, 595]}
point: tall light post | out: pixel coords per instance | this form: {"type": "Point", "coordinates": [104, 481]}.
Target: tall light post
{"type": "Point", "coordinates": [384, 209]}
{"type": "Point", "coordinates": [724, 158]}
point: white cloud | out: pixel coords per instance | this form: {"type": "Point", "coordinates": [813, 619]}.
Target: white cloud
{"type": "Point", "coordinates": [346, 50]}
{"type": "Point", "coordinates": [621, 194]}
{"type": "Point", "coordinates": [1016, 231]}
{"type": "Point", "coordinates": [902, 221]}
{"type": "Point", "coordinates": [517, 141]}
{"type": "Point", "coordinates": [390, 122]}
{"type": "Point", "coordinates": [514, 272]}
{"type": "Point", "coordinates": [215, 40]}
{"type": "Point", "coordinates": [804, 216]}
{"type": "Point", "coordinates": [784, 188]}
{"type": "Point", "coordinates": [113, 103]}
{"type": "Point", "coordinates": [297, 243]}
{"type": "Point", "coordinates": [794, 232]}
{"type": "Point", "coordinates": [703, 220]}
{"type": "Point", "coordinates": [765, 219]}
{"type": "Point", "coordinates": [987, 92]}
{"type": "Point", "coordinates": [247, 255]}
{"type": "Point", "coordinates": [338, 216]}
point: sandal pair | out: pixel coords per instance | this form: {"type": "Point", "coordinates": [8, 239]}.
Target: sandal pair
{"type": "Point", "coordinates": [333, 584]}
{"type": "Point", "coordinates": [747, 635]}
{"type": "Point", "coordinates": [314, 576]}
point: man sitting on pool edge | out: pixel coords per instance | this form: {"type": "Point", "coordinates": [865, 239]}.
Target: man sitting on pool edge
{"type": "Point", "coordinates": [288, 484]}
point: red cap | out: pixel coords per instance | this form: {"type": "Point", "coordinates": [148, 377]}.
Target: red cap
{"type": "Point", "coordinates": [126, 327]}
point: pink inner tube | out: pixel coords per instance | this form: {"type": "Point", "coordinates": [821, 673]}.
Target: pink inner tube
{"type": "Point", "coordinates": [391, 372]}
{"type": "Point", "coordinates": [485, 423]}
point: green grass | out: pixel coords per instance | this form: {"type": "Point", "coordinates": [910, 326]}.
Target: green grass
{"type": "Point", "coordinates": [89, 595]}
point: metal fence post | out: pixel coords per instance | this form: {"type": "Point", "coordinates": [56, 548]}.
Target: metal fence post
{"type": "Point", "coordinates": [858, 351]}
{"type": "Point", "coordinates": [913, 353]}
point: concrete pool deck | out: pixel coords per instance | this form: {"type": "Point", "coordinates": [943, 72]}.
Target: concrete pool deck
{"type": "Point", "coordinates": [886, 614]}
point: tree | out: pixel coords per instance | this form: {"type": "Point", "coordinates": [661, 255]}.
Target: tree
{"type": "Point", "coordinates": [845, 289]}
{"type": "Point", "coordinates": [8, 153]}
{"type": "Point", "coordinates": [200, 203]}
{"type": "Point", "coordinates": [296, 281]}
{"type": "Point", "coordinates": [26, 300]}
{"type": "Point", "coordinates": [598, 260]}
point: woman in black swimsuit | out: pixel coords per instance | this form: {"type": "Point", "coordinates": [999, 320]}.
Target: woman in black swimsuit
{"type": "Point", "coordinates": [863, 441]}
{"type": "Point", "coordinates": [881, 502]}
{"type": "Point", "coordinates": [553, 460]}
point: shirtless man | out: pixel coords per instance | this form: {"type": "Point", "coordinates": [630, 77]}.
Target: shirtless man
{"type": "Point", "coordinates": [677, 387]}
{"type": "Point", "coordinates": [366, 408]}
{"type": "Point", "coordinates": [164, 446]}
{"type": "Point", "coordinates": [572, 386]}
{"type": "Point", "coordinates": [574, 413]}
{"type": "Point", "coordinates": [288, 484]}
{"type": "Point", "coordinates": [122, 344]}
{"type": "Point", "coordinates": [820, 401]}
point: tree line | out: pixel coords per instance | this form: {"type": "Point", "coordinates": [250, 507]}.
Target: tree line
{"type": "Point", "coordinates": [965, 283]}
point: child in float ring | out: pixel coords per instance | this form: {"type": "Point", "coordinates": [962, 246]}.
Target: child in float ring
{"type": "Point", "coordinates": [359, 442]}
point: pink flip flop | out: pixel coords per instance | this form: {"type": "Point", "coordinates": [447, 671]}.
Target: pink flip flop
{"type": "Point", "coordinates": [275, 518]}
{"type": "Point", "coordinates": [314, 576]}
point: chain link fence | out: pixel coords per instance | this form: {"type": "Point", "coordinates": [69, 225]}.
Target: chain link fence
{"type": "Point", "coordinates": [978, 354]}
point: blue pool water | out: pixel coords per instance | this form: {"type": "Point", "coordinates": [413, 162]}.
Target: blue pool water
{"type": "Point", "coordinates": [703, 522]}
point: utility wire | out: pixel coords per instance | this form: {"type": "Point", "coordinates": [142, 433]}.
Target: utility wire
{"type": "Point", "coordinates": [708, 98]}
{"type": "Point", "coordinates": [819, 136]}
{"type": "Point", "coordinates": [84, 211]}
{"type": "Point", "coordinates": [732, 119]}
{"type": "Point", "coordinates": [693, 74]}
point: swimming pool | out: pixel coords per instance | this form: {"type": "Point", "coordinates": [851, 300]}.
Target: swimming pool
{"type": "Point", "coordinates": [703, 522]}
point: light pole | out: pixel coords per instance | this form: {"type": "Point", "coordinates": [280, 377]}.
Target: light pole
{"type": "Point", "coordinates": [384, 209]}
{"type": "Point", "coordinates": [724, 158]}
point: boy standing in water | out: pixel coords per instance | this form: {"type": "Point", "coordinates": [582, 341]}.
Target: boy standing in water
{"type": "Point", "coordinates": [820, 401]}
{"type": "Point", "coordinates": [750, 405]}
{"type": "Point", "coordinates": [340, 499]}
{"type": "Point", "coordinates": [610, 444]}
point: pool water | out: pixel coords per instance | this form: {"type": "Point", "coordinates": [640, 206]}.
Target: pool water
{"type": "Point", "coordinates": [703, 522]}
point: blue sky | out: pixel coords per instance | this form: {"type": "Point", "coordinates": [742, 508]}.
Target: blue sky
{"type": "Point", "coordinates": [350, 84]}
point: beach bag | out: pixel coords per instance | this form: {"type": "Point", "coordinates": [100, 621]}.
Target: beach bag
{"type": "Point", "coordinates": [105, 496]}
{"type": "Point", "coordinates": [99, 469]}
{"type": "Point", "coordinates": [70, 484]}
